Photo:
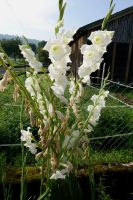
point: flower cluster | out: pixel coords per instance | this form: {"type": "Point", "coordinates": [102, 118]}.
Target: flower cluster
{"type": "Point", "coordinates": [95, 109]}
{"type": "Point", "coordinates": [26, 137]}
{"type": "Point", "coordinates": [92, 54]}
{"type": "Point", "coordinates": [54, 121]}
{"type": "Point", "coordinates": [59, 52]}
{"type": "Point", "coordinates": [76, 90]}
{"type": "Point", "coordinates": [62, 132]}
{"type": "Point", "coordinates": [33, 87]}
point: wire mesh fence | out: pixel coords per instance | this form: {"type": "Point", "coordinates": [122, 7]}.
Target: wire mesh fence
{"type": "Point", "coordinates": [111, 140]}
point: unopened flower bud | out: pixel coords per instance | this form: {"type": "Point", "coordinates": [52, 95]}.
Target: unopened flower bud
{"type": "Point", "coordinates": [4, 82]}
{"type": "Point", "coordinates": [51, 110]}
{"type": "Point", "coordinates": [60, 115]}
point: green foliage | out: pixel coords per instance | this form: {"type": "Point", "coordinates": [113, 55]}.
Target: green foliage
{"type": "Point", "coordinates": [7, 192]}
{"type": "Point", "coordinates": [68, 189]}
{"type": "Point", "coordinates": [11, 47]}
{"type": "Point", "coordinates": [43, 55]}
{"type": "Point", "coordinates": [102, 194]}
{"type": "Point", "coordinates": [33, 47]}
{"type": "Point", "coordinates": [10, 118]}
{"type": "Point", "coordinates": [112, 156]}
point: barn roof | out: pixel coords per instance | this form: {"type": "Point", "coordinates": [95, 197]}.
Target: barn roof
{"type": "Point", "coordinates": [115, 17]}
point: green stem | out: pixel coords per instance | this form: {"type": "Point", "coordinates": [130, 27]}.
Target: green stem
{"type": "Point", "coordinates": [22, 194]}
{"type": "Point", "coordinates": [42, 177]}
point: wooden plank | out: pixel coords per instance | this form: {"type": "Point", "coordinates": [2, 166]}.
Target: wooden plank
{"type": "Point", "coordinates": [128, 62]}
{"type": "Point", "coordinates": [81, 41]}
{"type": "Point", "coordinates": [73, 47]}
{"type": "Point", "coordinates": [13, 174]}
{"type": "Point", "coordinates": [113, 60]}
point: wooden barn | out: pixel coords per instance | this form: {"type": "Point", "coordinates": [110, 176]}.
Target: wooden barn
{"type": "Point", "coordinates": [119, 56]}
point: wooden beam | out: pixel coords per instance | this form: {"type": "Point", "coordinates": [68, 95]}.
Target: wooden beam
{"type": "Point", "coordinates": [128, 62]}
{"type": "Point", "coordinates": [81, 41]}
{"type": "Point", "coordinates": [13, 174]}
{"type": "Point", "coordinates": [113, 60]}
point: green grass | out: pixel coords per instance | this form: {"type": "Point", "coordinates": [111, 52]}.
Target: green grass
{"type": "Point", "coordinates": [111, 157]}
{"type": "Point", "coordinates": [10, 117]}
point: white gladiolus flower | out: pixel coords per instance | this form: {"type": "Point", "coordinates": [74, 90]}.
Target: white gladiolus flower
{"type": "Point", "coordinates": [85, 71]}
{"type": "Point", "coordinates": [26, 136]}
{"type": "Point", "coordinates": [30, 58]}
{"type": "Point", "coordinates": [32, 147]}
{"type": "Point", "coordinates": [58, 88]}
{"type": "Point", "coordinates": [29, 86]}
{"type": "Point", "coordinates": [60, 174]}
{"type": "Point", "coordinates": [58, 74]}
{"type": "Point", "coordinates": [101, 38]}
{"type": "Point", "coordinates": [86, 79]}
{"type": "Point", "coordinates": [32, 85]}
{"type": "Point", "coordinates": [35, 64]}
{"type": "Point", "coordinates": [59, 52]}
{"type": "Point", "coordinates": [66, 37]}
{"type": "Point", "coordinates": [91, 54]}
{"type": "Point", "coordinates": [57, 49]}
{"type": "Point", "coordinates": [57, 175]}
{"type": "Point", "coordinates": [26, 52]}
{"type": "Point", "coordinates": [95, 109]}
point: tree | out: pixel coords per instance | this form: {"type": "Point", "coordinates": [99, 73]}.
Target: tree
{"type": "Point", "coordinates": [33, 47]}
{"type": "Point", "coordinates": [11, 47]}
{"type": "Point", "coordinates": [43, 55]}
